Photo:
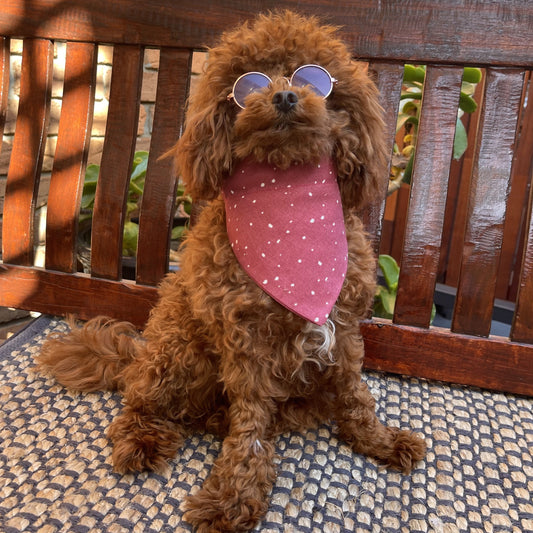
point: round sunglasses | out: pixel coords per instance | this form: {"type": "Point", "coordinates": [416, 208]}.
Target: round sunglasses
{"type": "Point", "coordinates": [317, 78]}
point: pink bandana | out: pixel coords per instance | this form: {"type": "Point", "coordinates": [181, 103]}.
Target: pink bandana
{"type": "Point", "coordinates": [287, 231]}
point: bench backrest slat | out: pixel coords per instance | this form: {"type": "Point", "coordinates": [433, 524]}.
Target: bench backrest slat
{"type": "Point", "coordinates": [4, 82]}
{"type": "Point", "coordinates": [522, 328]}
{"type": "Point", "coordinates": [70, 160]}
{"type": "Point", "coordinates": [28, 151]}
{"type": "Point", "coordinates": [423, 233]}
{"type": "Point", "coordinates": [160, 184]}
{"type": "Point", "coordinates": [116, 165]}
{"type": "Point", "coordinates": [388, 77]}
{"type": "Point", "coordinates": [489, 190]}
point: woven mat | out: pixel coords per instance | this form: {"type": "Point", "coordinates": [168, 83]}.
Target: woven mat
{"type": "Point", "coordinates": [56, 474]}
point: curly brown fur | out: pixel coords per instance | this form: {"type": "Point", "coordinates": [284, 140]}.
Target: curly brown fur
{"type": "Point", "coordinates": [218, 353]}
{"type": "Point", "coordinates": [97, 353]}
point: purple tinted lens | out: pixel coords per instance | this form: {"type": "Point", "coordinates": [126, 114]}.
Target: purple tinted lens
{"type": "Point", "coordinates": [247, 84]}
{"type": "Point", "coordinates": [315, 78]}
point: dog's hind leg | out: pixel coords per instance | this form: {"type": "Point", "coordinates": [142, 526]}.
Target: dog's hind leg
{"type": "Point", "coordinates": [170, 386]}
{"type": "Point", "coordinates": [167, 387]}
{"type": "Point", "coordinates": [360, 427]}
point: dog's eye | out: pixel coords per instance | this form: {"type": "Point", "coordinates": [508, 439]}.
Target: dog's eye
{"type": "Point", "coordinates": [315, 77]}
{"type": "Point", "coordinates": [246, 84]}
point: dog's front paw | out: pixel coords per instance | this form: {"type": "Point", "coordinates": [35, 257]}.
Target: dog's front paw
{"type": "Point", "coordinates": [220, 507]}
{"type": "Point", "coordinates": [143, 444]}
{"type": "Point", "coordinates": [407, 450]}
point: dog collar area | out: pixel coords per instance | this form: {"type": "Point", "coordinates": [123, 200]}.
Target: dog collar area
{"type": "Point", "coordinates": [286, 229]}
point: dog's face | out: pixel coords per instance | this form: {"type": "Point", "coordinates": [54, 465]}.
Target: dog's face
{"type": "Point", "coordinates": [280, 122]}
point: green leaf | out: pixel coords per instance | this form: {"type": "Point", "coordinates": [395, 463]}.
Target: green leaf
{"type": "Point", "coordinates": [384, 303]}
{"type": "Point", "coordinates": [388, 300]}
{"type": "Point", "coordinates": [131, 207]}
{"type": "Point", "coordinates": [410, 106]}
{"type": "Point", "coordinates": [402, 117]}
{"type": "Point", "coordinates": [140, 161]}
{"type": "Point", "coordinates": [187, 206]}
{"type": "Point", "coordinates": [406, 119]}
{"type": "Point", "coordinates": [87, 197]}
{"type": "Point", "coordinates": [177, 232]}
{"type": "Point", "coordinates": [467, 103]}
{"type": "Point", "coordinates": [408, 171]}
{"type": "Point", "coordinates": [413, 74]}
{"type": "Point", "coordinates": [460, 141]}
{"type": "Point", "coordinates": [91, 174]}
{"type": "Point", "coordinates": [129, 241]}
{"type": "Point", "coordinates": [468, 88]}
{"type": "Point", "coordinates": [136, 189]}
{"type": "Point", "coordinates": [390, 269]}
{"type": "Point", "coordinates": [411, 96]}
{"type": "Point", "coordinates": [89, 186]}
{"type": "Point", "coordinates": [472, 75]}
{"type": "Point", "coordinates": [433, 313]}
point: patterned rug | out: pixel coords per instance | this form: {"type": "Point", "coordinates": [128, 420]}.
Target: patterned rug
{"type": "Point", "coordinates": [56, 474]}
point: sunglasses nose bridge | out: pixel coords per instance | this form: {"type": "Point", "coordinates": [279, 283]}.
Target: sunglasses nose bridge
{"type": "Point", "coordinates": [280, 83]}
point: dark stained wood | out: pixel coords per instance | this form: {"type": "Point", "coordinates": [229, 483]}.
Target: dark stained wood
{"type": "Point", "coordinates": [431, 31]}
{"type": "Point", "coordinates": [457, 202]}
{"type": "Point", "coordinates": [28, 151]}
{"type": "Point", "coordinates": [429, 185]}
{"type": "Point", "coordinates": [60, 293]}
{"type": "Point", "coordinates": [70, 160]}
{"type": "Point", "coordinates": [488, 196]}
{"type": "Point", "coordinates": [515, 218]}
{"type": "Point", "coordinates": [388, 77]}
{"type": "Point", "coordinates": [159, 193]}
{"type": "Point", "coordinates": [522, 328]}
{"type": "Point", "coordinates": [117, 157]}
{"type": "Point", "coordinates": [435, 353]}
{"type": "Point", "coordinates": [4, 83]}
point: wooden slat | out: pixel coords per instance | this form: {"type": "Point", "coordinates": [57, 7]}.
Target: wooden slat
{"type": "Point", "coordinates": [458, 196]}
{"type": "Point", "coordinates": [4, 83]}
{"type": "Point", "coordinates": [28, 151]}
{"type": "Point", "coordinates": [389, 77]}
{"type": "Point", "coordinates": [522, 328]}
{"type": "Point", "coordinates": [60, 293]}
{"type": "Point", "coordinates": [430, 31]}
{"type": "Point", "coordinates": [429, 186]}
{"type": "Point", "coordinates": [515, 218]}
{"type": "Point", "coordinates": [488, 196]}
{"type": "Point", "coordinates": [159, 194]}
{"type": "Point", "coordinates": [117, 157]}
{"type": "Point", "coordinates": [70, 161]}
{"type": "Point", "coordinates": [435, 353]}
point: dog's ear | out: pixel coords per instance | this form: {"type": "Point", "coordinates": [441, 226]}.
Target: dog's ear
{"type": "Point", "coordinates": [203, 153]}
{"type": "Point", "coordinates": [360, 151]}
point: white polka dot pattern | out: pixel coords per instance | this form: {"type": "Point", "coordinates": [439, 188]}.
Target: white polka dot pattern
{"type": "Point", "coordinates": [287, 231]}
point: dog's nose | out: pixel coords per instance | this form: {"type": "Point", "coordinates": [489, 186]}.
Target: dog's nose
{"type": "Point", "coordinates": [285, 100]}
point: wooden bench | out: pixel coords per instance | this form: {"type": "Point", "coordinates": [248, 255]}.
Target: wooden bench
{"type": "Point", "coordinates": [445, 35]}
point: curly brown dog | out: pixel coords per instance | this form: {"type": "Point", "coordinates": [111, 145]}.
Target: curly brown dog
{"type": "Point", "coordinates": [225, 350]}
